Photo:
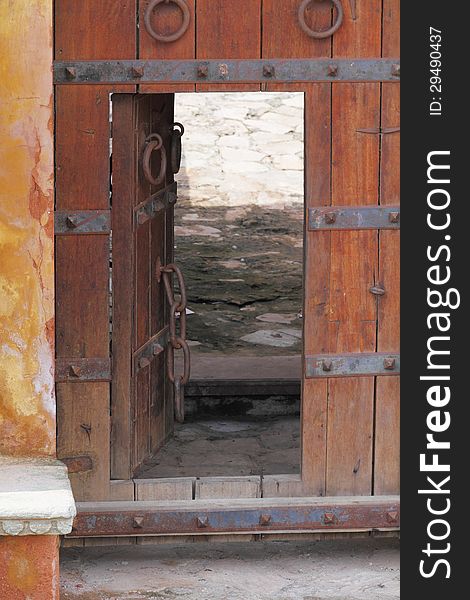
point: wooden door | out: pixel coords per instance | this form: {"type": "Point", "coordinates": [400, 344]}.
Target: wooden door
{"type": "Point", "coordinates": [143, 197]}
{"type": "Point", "coordinates": [114, 402]}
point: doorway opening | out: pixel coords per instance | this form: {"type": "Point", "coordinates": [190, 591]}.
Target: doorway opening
{"type": "Point", "coordinates": [238, 239]}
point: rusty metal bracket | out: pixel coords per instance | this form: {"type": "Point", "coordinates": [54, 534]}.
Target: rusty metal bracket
{"type": "Point", "coordinates": [328, 218]}
{"type": "Point", "coordinates": [352, 365]}
{"type": "Point", "coordinates": [143, 357]}
{"type": "Point", "coordinates": [78, 464]}
{"type": "Point", "coordinates": [82, 221]}
{"type": "Point", "coordinates": [161, 200]}
{"type": "Point", "coordinates": [250, 515]}
{"type": "Point", "coordinates": [378, 130]}
{"type": "Point", "coordinates": [221, 71]}
{"type": "Point", "coordinates": [82, 369]}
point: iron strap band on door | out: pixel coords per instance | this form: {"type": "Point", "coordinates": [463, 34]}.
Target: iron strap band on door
{"type": "Point", "coordinates": [353, 217]}
{"type": "Point", "coordinates": [71, 222]}
{"type": "Point", "coordinates": [352, 365]}
{"type": "Point", "coordinates": [82, 369]}
{"type": "Point", "coordinates": [255, 515]}
{"type": "Point", "coordinates": [216, 71]}
{"type": "Point", "coordinates": [143, 357]}
{"type": "Point", "coordinates": [157, 202]}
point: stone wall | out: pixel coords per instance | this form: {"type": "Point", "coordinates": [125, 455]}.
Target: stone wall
{"type": "Point", "coordinates": [239, 220]}
{"type": "Point", "coordinates": [242, 148]}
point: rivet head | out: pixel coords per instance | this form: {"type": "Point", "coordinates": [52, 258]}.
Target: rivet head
{"type": "Point", "coordinates": [268, 71]}
{"type": "Point", "coordinates": [144, 362]}
{"type": "Point", "coordinates": [137, 72]}
{"type": "Point", "coordinates": [389, 364]}
{"type": "Point", "coordinates": [396, 70]}
{"type": "Point", "coordinates": [202, 71]}
{"type": "Point", "coordinates": [202, 522]}
{"type": "Point", "coordinates": [265, 519]}
{"type": "Point", "coordinates": [327, 365]}
{"type": "Point", "coordinates": [142, 217]}
{"type": "Point", "coordinates": [330, 218]}
{"type": "Point", "coordinates": [70, 72]}
{"type": "Point", "coordinates": [332, 70]}
{"type": "Point", "coordinates": [377, 290]}
{"type": "Point", "coordinates": [392, 516]}
{"type": "Point", "coordinates": [394, 217]}
{"type": "Point", "coordinates": [223, 70]}
{"type": "Point", "coordinates": [75, 371]}
{"type": "Point", "coordinates": [329, 518]}
{"type": "Point", "coordinates": [138, 522]}
{"type": "Point", "coordinates": [72, 222]}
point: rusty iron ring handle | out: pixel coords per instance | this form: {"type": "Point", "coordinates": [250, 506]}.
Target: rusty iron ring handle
{"type": "Point", "coordinates": [319, 35]}
{"type": "Point", "coordinates": [177, 34]}
{"type": "Point", "coordinates": [154, 142]}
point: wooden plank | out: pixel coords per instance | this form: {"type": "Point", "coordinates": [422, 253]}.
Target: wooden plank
{"type": "Point", "coordinates": [83, 428]}
{"type": "Point", "coordinates": [142, 277]}
{"type": "Point", "coordinates": [228, 487]}
{"type": "Point", "coordinates": [161, 420]}
{"type": "Point", "coordinates": [167, 20]}
{"type": "Point", "coordinates": [353, 260]}
{"type": "Point", "coordinates": [95, 30]}
{"type": "Point", "coordinates": [82, 264]}
{"type": "Point", "coordinates": [282, 35]}
{"type": "Point", "coordinates": [387, 409]}
{"type": "Point", "coordinates": [123, 191]}
{"type": "Point", "coordinates": [121, 489]}
{"type": "Point", "coordinates": [282, 486]}
{"type": "Point", "coordinates": [177, 488]}
{"type": "Point", "coordinates": [82, 282]}
{"type": "Point", "coordinates": [288, 41]}
{"type": "Point", "coordinates": [227, 29]}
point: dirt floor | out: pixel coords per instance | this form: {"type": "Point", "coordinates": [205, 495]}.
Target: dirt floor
{"type": "Point", "coordinates": [300, 570]}
{"type": "Point", "coordinates": [232, 446]}
{"type": "Point", "coordinates": [243, 274]}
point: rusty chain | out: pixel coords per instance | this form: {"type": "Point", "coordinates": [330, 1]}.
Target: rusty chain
{"type": "Point", "coordinates": [177, 341]}
{"type": "Point", "coordinates": [179, 32]}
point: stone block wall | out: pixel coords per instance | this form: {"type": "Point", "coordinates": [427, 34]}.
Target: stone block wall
{"type": "Point", "coordinates": [239, 220]}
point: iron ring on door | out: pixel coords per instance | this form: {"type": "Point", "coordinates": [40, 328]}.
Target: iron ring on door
{"type": "Point", "coordinates": [154, 142]}
{"type": "Point", "coordinates": [173, 36]}
{"type": "Point", "coordinates": [327, 32]}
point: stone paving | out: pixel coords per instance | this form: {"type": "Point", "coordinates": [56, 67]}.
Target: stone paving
{"type": "Point", "coordinates": [239, 220]}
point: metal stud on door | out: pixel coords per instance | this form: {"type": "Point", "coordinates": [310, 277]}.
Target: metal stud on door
{"type": "Point", "coordinates": [176, 341]}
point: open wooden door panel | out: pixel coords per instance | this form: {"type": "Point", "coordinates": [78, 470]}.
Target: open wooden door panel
{"type": "Point", "coordinates": [143, 196]}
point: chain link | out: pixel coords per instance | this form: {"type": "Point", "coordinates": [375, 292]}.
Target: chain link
{"type": "Point", "coordinates": [177, 340]}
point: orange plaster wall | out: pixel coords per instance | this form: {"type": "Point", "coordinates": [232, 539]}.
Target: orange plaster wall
{"type": "Point", "coordinates": [27, 403]}
{"type": "Point", "coordinates": [29, 568]}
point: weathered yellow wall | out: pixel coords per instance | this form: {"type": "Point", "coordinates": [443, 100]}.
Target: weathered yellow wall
{"type": "Point", "coordinates": [27, 403]}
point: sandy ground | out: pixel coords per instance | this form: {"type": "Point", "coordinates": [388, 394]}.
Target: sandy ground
{"type": "Point", "coordinates": [301, 570]}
